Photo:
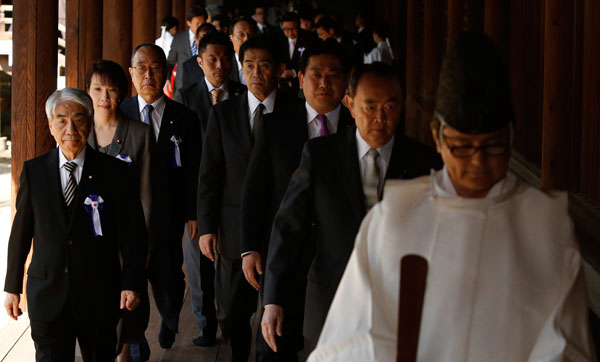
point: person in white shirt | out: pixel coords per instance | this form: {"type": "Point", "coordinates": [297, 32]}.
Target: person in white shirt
{"type": "Point", "coordinates": [382, 52]}
{"type": "Point", "coordinates": [168, 29]}
{"type": "Point", "coordinates": [504, 281]}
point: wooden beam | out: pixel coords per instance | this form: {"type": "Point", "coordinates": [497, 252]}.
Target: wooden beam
{"type": "Point", "coordinates": [456, 19]}
{"type": "Point", "coordinates": [164, 8]}
{"type": "Point", "coordinates": [116, 27]}
{"type": "Point", "coordinates": [143, 21]}
{"type": "Point", "coordinates": [557, 103]}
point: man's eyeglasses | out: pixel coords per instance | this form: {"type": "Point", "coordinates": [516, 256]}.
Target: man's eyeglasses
{"type": "Point", "coordinates": [142, 69]}
{"type": "Point", "coordinates": [488, 150]}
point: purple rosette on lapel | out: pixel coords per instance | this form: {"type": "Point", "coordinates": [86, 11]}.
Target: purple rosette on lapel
{"type": "Point", "coordinates": [93, 205]}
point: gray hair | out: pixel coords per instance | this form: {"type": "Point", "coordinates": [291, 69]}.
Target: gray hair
{"type": "Point", "coordinates": [69, 95]}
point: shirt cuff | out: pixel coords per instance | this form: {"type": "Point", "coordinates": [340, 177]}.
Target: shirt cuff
{"type": "Point", "coordinates": [248, 252]}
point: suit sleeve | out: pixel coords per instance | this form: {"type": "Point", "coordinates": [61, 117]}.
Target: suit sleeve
{"type": "Point", "coordinates": [211, 177]}
{"type": "Point", "coordinates": [292, 228]}
{"type": "Point", "coordinates": [254, 223]}
{"type": "Point", "coordinates": [194, 153]}
{"type": "Point", "coordinates": [172, 57]}
{"type": "Point", "coordinates": [21, 235]}
{"type": "Point", "coordinates": [179, 97]}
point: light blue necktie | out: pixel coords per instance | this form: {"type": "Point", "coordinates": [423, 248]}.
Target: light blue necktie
{"type": "Point", "coordinates": [147, 111]}
{"type": "Point", "coordinates": [194, 49]}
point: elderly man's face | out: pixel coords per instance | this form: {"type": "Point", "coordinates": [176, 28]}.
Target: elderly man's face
{"type": "Point", "coordinates": [474, 175]}
{"type": "Point", "coordinates": [323, 82]}
{"type": "Point", "coordinates": [241, 32]}
{"type": "Point", "coordinates": [70, 127]}
{"type": "Point", "coordinates": [376, 108]}
{"type": "Point", "coordinates": [148, 74]}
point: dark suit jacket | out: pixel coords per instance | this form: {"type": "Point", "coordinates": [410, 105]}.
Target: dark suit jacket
{"type": "Point", "coordinates": [225, 155]}
{"type": "Point", "coordinates": [304, 39]}
{"type": "Point", "coordinates": [134, 139]}
{"type": "Point", "coordinates": [190, 73]}
{"type": "Point", "coordinates": [179, 53]}
{"type": "Point", "coordinates": [276, 156]}
{"type": "Point", "coordinates": [173, 188]}
{"type": "Point", "coordinates": [234, 75]}
{"type": "Point", "coordinates": [68, 261]}
{"type": "Point", "coordinates": [197, 98]}
{"type": "Point", "coordinates": [326, 191]}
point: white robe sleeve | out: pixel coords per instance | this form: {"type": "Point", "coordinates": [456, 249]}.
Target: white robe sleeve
{"type": "Point", "coordinates": [348, 334]}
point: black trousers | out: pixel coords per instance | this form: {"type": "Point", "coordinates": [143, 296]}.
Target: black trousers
{"type": "Point", "coordinates": [55, 341]}
{"type": "Point", "coordinates": [236, 301]}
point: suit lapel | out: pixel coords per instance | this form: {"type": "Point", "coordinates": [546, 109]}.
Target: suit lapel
{"type": "Point", "coordinates": [349, 171]}
{"type": "Point", "coordinates": [345, 121]}
{"type": "Point", "coordinates": [244, 122]}
{"type": "Point", "coordinates": [202, 95]}
{"type": "Point", "coordinates": [83, 188]}
{"type": "Point", "coordinates": [120, 137]}
{"type": "Point", "coordinates": [54, 186]}
{"type": "Point", "coordinates": [131, 108]}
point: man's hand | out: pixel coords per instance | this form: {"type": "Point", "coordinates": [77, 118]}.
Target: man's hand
{"type": "Point", "coordinates": [272, 323]}
{"type": "Point", "coordinates": [208, 245]}
{"type": "Point", "coordinates": [192, 229]}
{"type": "Point", "coordinates": [129, 299]}
{"type": "Point", "coordinates": [11, 303]}
{"type": "Point", "coordinates": [288, 73]}
{"type": "Point", "coordinates": [250, 263]}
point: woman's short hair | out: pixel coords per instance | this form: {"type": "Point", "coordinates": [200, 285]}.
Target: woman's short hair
{"type": "Point", "coordinates": [110, 73]}
{"type": "Point", "coordinates": [69, 95]}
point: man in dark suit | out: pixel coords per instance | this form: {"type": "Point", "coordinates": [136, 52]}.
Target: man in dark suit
{"type": "Point", "coordinates": [215, 57]}
{"type": "Point", "coordinates": [328, 28]}
{"type": "Point", "coordinates": [184, 46]}
{"type": "Point", "coordinates": [174, 179]}
{"type": "Point", "coordinates": [241, 30]}
{"type": "Point", "coordinates": [191, 69]}
{"type": "Point", "coordinates": [323, 77]}
{"type": "Point", "coordinates": [264, 28]}
{"type": "Point", "coordinates": [81, 222]}
{"type": "Point", "coordinates": [292, 45]}
{"type": "Point", "coordinates": [339, 178]}
{"type": "Point", "coordinates": [227, 149]}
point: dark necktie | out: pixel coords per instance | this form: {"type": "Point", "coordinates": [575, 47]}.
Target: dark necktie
{"type": "Point", "coordinates": [371, 178]}
{"type": "Point", "coordinates": [323, 122]}
{"type": "Point", "coordinates": [71, 183]}
{"type": "Point", "coordinates": [257, 118]}
{"type": "Point", "coordinates": [147, 113]}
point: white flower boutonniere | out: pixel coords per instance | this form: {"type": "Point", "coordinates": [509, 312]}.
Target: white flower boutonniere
{"type": "Point", "coordinates": [93, 205]}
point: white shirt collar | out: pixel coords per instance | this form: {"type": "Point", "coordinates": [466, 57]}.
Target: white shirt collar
{"type": "Point", "coordinates": [192, 37]}
{"type": "Point", "coordinates": [159, 105]}
{"type": "Point", "coordinates": [333, 117]}
{"type": "Point", "coordinates": [385, 151]}
{"type": "Point", "coordinates": [237, 60]}
{"type": "Point", "coordinates": [79, 159]}
{"type": "Point", "coordinates": [210, 87]}
{"type": "Point", "coordinates": [444, 186]}
{"type": "Point", "coordinates": [339, 40]}
{"type": "Point", "coordinates": [269, 103]}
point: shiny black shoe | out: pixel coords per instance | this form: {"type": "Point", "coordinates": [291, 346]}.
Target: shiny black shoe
{"type": "Point", "coordinates": [166, 337]}
{"type": "Point", "coordinates": [202, 341]}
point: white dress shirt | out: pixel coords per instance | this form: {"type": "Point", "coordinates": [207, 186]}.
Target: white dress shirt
{"type": "Point", "coordinates": [192, 38]}
{"type": "Point", "coordinates": [157, 112]}
{"type": "Point", "coordinates": [385, 153]}
{"type": "Point", "coordinates": [314, 125]}
{"type": "Point", "coordinates": [239, 68]}
{"type": "Point", "coordinates": [291, 46]}
{"type": "Point", "coordinates": [64, 174]}
{"type": "Point", "coordinates": [253, 102]}
{"type": "Point", "coordinates": [381, 53]}
{"type": "Point", "coordinates": [224, 89]}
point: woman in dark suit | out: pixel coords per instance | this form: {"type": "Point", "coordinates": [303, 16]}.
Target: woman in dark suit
{"type": "Point", "coordinates": [128, 140]}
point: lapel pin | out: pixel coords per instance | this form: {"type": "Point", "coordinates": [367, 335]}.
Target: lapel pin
{"type": "Point", "coordinates": [118, 141]}
{"type": "Point", "coordinates": [90, 177]}
{"type": "Point", "coordinates": [171, 122]}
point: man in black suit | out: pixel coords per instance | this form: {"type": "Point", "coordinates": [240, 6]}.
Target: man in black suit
{"type": "Point", "coordinates": [174, 179]}
{"type": "Point", "coordinates": [292, 45]}
{"type": "Point", "coordinates": [184, 46]}
{"type": "Point", "coordinates": [83, 213]}
{"type": "Point", "coordinates": [227, 149]}
{"type": "Point", "coordinates": [339, 178]}
{"type": "Point", "coordinates": [191, 69]}
{"type": "Point", "coordinates": [323, 77]}
{"type": "Point", "coordinates": [264, 28]}
{"type": "Point", "coordinates": [328, 28]}
{"type": "Point", "coordinates": [241, 30]}
{"type": "Point", "coordinates": [215, 57]}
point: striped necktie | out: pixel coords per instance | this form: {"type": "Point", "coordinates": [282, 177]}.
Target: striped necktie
{"type": "Point", "coordinates": [71, 183]}
{"type": "Point", "coordinates": [194, 49]}
{"type": "Point", "coordinates": [214, 95]}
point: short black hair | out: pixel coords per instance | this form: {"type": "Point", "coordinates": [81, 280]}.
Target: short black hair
{"type": "Point", "coordinates": [215, 38]}
{"type": "Point", "coordinates": [377, 69]}
{"type": "Point", "coordinates": [328, 47]}
{"type": "Point", "coordinates": [259, 6]}
{"type": "Point", "coordinates": [240, 19]}
{"type": "Point", "coordinates": [196, 11]}
{"type": "Point", "coordinates": [205, 28]}
{"type": "Point", "coordinates": [381, 29]}
{"type": "Point", "coordinates": [291, 17]}
{"type": "Point", "coordinates": [261, 42]}
{"type": "Point", "coordinates": [110, 73]}
{"type": "Point", "coordinates": [159, 51]}
{"type": "Point", "coordinates": [327, 24]}
{"type": "Point", "coordinates": [169, 22]}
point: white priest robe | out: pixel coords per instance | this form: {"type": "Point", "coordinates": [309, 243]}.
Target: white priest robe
{"type": "Point", "coordinates": [504, 281]}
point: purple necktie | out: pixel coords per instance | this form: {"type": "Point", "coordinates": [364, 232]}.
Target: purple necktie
{"type": "Point", "coordinates": [323, 121]}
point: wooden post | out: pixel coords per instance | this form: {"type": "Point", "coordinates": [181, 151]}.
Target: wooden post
{"type": "Point", "coordinates": [456, 21]}
{"type": "Point", "coordinates": [179, 13]}
{"type": "Point", "coordinates": [116, 27]}
{"type": "Point", "coordinates": [163, 9]}
{"type": "Point", "coordinates": [143, 22]}
{"type": "Point", "coordinates": [35, 52]}
{"type": "Point", "coordinates": [432, 52]}
{"type": "Point", "coordinates": [412, 68]}
{"type": "Point", "coordinates": [557, 103]}
{"type": "Point", "coordinates": [496, 22]}
{"type": "Point", "coordinates": [84, 39]}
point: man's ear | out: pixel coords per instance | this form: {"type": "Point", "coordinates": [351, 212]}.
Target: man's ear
{"type": "Point", "coordinates": [436, 137]}
{"type": "Point", "coordinates": [300, 79]}
{"type": "Point", "coordinates": [349, 103]}
{"type": "Point", "coordinates": [199, 60]}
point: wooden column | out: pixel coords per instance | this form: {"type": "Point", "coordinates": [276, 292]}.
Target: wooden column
{"type": "Point", "coordinates": [412, 52]}
{"type": "Point", "coordinates": [557, 103]}
{"type": "Point", "coordinates": [116, 27]}
{"type": "Point", "coordinates": [143, 22]}
{"type": "Point", "coordinates": [456, 19]}
{"type": "Point", "coordinates": [433, 52]}
{"type": "Point", "coordinates": [496, 22]}
{"type": "Point", "coordinates": [34, 79]}
{"type": "Point", "coordinates": [179, 13]}
{"type": "Point", "coordinates": [163, 9]}
{"type": "Point", "coordinates": [84, 39]}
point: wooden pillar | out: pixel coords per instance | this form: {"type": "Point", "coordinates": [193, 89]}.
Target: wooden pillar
{"type": "Point", "coordinates": [432, 52]}
{"type": "Point", "coordinates": [116, 27]}
{"type": "Point", "coordinates": [179, 13]}
{"type": "Point", "coordinates": [163, 9]}
{"type": "Point", "coordinates": [412, 52]}
{"type": "Point", "coordinates": [35, 26]}
{"type": "Point", "coordinates": [143, 22]}
{"type": "Point", "coordinates": [496, 22]}
{"type": "Point", "coordinates": [84, 39]}
{"type": "Point", "coordinates": [456, 19]}
{"type": "Point", "coordinates": [557, 103]}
